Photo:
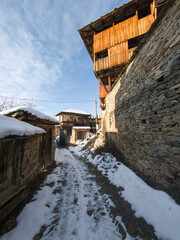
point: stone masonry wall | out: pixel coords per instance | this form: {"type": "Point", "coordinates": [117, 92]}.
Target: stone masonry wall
{"type": "Point", "coordinates": [142, 116]}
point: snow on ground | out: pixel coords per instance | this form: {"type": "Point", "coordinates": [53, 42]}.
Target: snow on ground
{"type": "Point", "coordinates": [11, 126]}
{"type": "Point", "coordinates": [69, 206]}
{"type": "Point", "coordinates": [155, 206]}
{"type": "Point", "coordinates": [31, 111]}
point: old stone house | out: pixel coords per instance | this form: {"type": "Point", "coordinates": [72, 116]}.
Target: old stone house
{"type": "Point", "coordinates": [21, 159]}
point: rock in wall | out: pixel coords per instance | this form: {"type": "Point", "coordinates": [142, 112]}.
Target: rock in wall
{"type": "Point", "coordinates": [142, 116]}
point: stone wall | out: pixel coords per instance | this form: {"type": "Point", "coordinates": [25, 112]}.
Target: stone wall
{"type": "Point", "coordinates": [142, 116]}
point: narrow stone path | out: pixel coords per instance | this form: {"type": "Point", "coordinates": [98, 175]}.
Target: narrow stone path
{"type": "Point", "coordinates": [77, 203]}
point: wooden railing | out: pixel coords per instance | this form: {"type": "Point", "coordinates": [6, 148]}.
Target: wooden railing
{"type": "Point", "coordinates": [101, 63]}
{"type": "Point", "coordinates": [116, 56]}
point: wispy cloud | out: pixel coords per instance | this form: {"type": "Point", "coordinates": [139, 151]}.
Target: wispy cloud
{"type": "Point", "coordinates": [27, 60]}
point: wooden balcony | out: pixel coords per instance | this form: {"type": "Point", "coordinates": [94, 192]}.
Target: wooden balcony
{"type": "Point", "coordinates": [121, 32]}
{"type": "Point", "coordinates": [115, 40]}
{"type": "Point", "coordinates": [117, 55]}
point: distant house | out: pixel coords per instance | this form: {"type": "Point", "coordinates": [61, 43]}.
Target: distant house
{"type": "Point", "coordinates": [41, 120]}
{"type": "Point", "coordinates": [111, 39]}
{"type": "Point", "coordinates": [21, 159]}
{"type": "Point", "coordinates": [72, 117]}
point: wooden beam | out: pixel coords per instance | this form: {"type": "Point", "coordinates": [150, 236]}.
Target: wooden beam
{"type": "Point", "coordinates": [109, 83]}
{"type": "Point", "coordinates": [92, 28]}
{"type": "Point", "coordinates": [102, 83]}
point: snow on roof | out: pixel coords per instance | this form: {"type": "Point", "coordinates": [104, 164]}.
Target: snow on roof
{"type": "Point", "coordinates": [31, 111]}
{"type": "Point", "coordinates": [81, 127]}
{"type": "Point", "coordinates": [74, 111]}
{"type": "Point", "coordinates": [10, 126]}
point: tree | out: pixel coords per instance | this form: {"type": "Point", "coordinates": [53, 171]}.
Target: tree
{"type": "Point", "coordinates": [8, 102]}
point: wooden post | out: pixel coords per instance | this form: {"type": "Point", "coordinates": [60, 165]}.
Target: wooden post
{"type": "Point", "coordinates": [109, 83]}
{"type": "Point", "coordinates": [94, 55]}
{"type": "Point", "coordinates": [96, 114]}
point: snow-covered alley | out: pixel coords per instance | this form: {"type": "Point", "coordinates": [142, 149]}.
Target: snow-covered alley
{"type": "Point", "coordinates": [82, 200]}
{"type": "Point", "coordinates": [69, 206]}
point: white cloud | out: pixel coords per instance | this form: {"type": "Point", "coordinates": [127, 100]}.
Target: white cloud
{"type": "Point", "coordinates": [38, 38]}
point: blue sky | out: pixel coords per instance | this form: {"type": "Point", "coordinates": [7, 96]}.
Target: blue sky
{"type": "Point", "coordinates": [43, 56]}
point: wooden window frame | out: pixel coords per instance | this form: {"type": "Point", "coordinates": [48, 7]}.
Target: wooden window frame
{"type": "Point", "coordinates": [101, 54]}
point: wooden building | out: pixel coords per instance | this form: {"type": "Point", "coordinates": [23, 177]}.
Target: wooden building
{"type": "Point", "coordinates": [41, 120]}
{"type": "Point", "coordinates": [21, 160]}
{"type": "Point", "coordinates": [112, 39]}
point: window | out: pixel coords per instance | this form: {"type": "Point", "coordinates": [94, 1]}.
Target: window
{"type": "Point", "coordinates": [143, 12]}
{"type": "Point", "coordinates": [133, 42]}
{"type": "Point", "coordinates": [101, 54]}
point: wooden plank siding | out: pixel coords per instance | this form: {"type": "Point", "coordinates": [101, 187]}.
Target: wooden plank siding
{"type": "Point", "coordinates": [116, 55]}
{"type": "Point", "coordinates": [101, 64]}
{"type": "Point", "coordinates": [129, 28]}
{"type": "Point", "coordinates": [118, 33]}
{"type": "Point", "coordinates": [145, 23]}
{"type": "Point", "coordinates": [115, 39]}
